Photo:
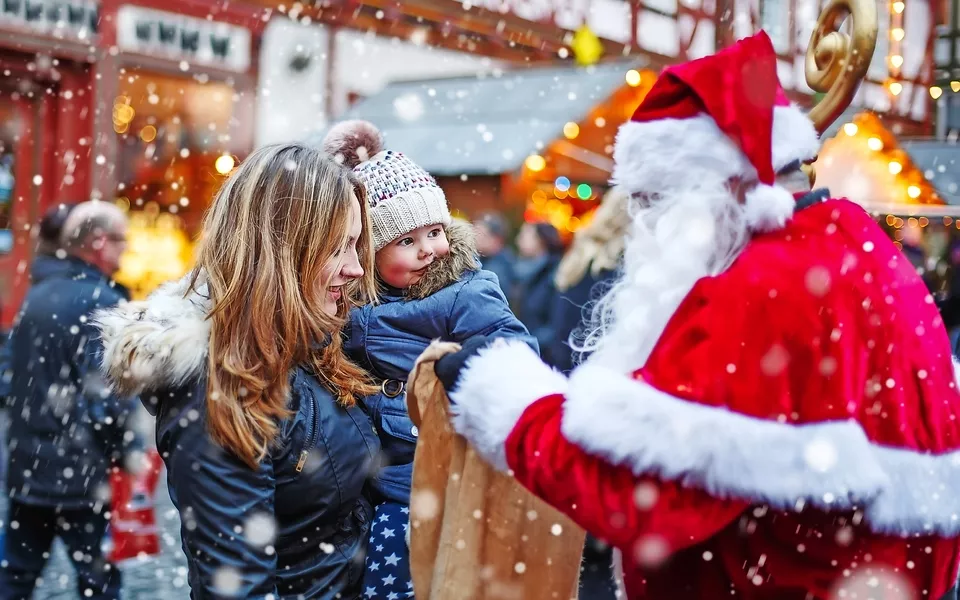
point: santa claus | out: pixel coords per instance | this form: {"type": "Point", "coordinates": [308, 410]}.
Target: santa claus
{"type": "Point", "coordinates": [769, 410]}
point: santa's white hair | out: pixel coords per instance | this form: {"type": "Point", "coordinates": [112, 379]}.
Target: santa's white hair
{"type": "Point", "coordinates": [694, 229]}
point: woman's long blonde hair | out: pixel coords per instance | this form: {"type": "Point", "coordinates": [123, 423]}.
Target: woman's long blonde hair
{"type": "Point", "coordinates": [267, 237]}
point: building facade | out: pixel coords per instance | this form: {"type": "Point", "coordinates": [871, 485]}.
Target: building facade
{"type": "Point", "coordinates": [149, 103]}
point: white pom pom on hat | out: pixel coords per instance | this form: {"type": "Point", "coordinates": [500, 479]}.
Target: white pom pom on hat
{"type": "Point", "coordinates": [768, 207]}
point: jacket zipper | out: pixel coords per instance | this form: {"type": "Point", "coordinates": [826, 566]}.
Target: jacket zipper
{"type": "Point", "coordinates": [311, 432]}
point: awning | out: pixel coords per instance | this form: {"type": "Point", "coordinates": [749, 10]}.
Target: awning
{"type": "Point", "coordinates": [940, 163]}
{"type": "Point", "coordinates": [867, 163]}
{"type": "Point", "coordinates": [473, 126]}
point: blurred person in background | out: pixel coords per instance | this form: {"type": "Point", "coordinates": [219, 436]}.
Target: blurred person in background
{"type": "Point", "coordinates": [45, 264]}
{"type": "Point", "coordinates": [495, 256]}
{"type": "Point", "coordinates": [949, 301]}
{"type": "Point", "coordinates": [533, 295]}
{"type": "Point", "coordinates": [587, 270]}
{"type": "Point", "coordinates": [67, 429]}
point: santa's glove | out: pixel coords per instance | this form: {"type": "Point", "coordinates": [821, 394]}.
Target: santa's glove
{"type": "Point", "coordinates": [449, 367]}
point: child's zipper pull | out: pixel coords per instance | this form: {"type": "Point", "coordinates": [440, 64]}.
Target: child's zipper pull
{"type": "Point", "coordinates": [302, 461]}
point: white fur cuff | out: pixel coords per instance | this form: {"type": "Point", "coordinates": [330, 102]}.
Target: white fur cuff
{"type": "Point", "coordinates": [495, 388]}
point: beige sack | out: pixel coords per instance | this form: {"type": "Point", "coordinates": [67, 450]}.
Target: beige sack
{"type": "Point", "coordinates": [477, 534]}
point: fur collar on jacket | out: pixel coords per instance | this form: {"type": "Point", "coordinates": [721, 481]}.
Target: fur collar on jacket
{"type": "Point", "coordinates": [158, 342]}
{"type": "Point", "coordinates": [450, 268]}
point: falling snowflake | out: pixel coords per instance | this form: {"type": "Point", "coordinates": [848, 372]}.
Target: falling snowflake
{"type": "Point", "coordinates": [820, 455]}
{"type": "Point", "coordinates": [817, 281]}
{"type": "Point", "coordinates": [227, 581]}
{"type": "Point", "coordinates": [409, 107]}
{"type": "Point", "coordinates": [645, 495]}
{"type": "Point", "coordinates": [651, 551]}
{"type": "Point", "coordinates": [774, 361]}
{"type": "Point", "coordinates": [260, 529]}
{"type": "Point", "coordinates": [425, 505]}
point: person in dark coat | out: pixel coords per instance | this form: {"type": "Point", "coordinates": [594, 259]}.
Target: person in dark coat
{"type": "Point", "coordinates": [45, 264]}
{"type": "Point", "coordinates": [266, 448]}
{"type": "Point", "coordinates": [67, 428]}
{"type": "Point", "coordinates": [495, 255]}
{"type": "Point", "coordinates": [534, 295]}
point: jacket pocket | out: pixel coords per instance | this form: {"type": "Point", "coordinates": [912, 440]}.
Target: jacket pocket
{"type": "Point", "coordinates": [396, 423]}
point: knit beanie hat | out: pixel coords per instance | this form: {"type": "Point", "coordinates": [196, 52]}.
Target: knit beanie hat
{"type": "Point", "coordinates": [402, 196]}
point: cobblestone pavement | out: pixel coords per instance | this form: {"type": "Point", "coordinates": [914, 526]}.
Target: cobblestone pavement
{"type": "Point", "coordinates": [161, 578]}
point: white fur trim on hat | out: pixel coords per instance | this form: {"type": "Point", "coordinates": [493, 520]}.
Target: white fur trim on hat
{"type": "Point", "coordinates": [651, 154]}
{"type": "Point", "coordinates": [794, 137]}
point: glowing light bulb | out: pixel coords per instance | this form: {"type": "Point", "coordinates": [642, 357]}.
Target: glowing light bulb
{"type": "Point", "coordinates": [895, 88]}
{"type": "Point", "coordinates": [850, 129]}
{"type": "Point", "coordinates": [897, 34]}
{"type": "Point", "coordinates": [875, 144]}
{"type": "Point", "coordinates": [535, 163]}
{"type": "Point", "coordinates": [935, 92]}
{"type": "Point", "coordinates": [898, 7]}
{"type": "Point", "coordinates": [895, 167]}
{"type": "Point", "coordinates": [896, 61]}
{"type": "Point", "coordinates": [571, 130]}
{"type": "Point", "coordinates": [633, 78]}
{"type": "Point", "coordinates": [224, 164]}
{"type": "Point", "coordinates": [913, 191]}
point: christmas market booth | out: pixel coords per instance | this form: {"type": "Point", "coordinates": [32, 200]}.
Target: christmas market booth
{"type": "Point", "coordinates": [910, 186]}
{"type": "Point", "coordinates": [534, 144]}
{"type": "Point", "coordinates": [146, 103]}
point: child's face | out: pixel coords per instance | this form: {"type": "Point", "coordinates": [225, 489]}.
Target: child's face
{"type": "Point", "coordinates": [403, 262]}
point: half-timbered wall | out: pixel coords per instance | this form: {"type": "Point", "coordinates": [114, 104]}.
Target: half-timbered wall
{"type": "Point", "coordinates": [900, 73]}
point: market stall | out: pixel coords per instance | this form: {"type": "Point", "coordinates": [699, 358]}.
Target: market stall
{"type": "Point", "coordinates": [907, 185]}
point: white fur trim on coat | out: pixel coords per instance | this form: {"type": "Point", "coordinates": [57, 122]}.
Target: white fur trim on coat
{"type": "Point", "coordinates": [495, 388]}
{"type": "Point", "coordinates": [158, 342]}
{"type": "Point", "coordinates": [830, 465]}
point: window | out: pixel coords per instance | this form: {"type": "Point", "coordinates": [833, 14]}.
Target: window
{"type": "Point", "coordinates": [9, 134]}
{"type": "Point", "coordinates": [775, 20]}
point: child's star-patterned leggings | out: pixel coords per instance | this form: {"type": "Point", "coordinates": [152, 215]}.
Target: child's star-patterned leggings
{"type": "Point", "coordinates": [387, 574]}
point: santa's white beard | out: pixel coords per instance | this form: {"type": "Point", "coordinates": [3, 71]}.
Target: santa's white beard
{"type": "Point", "coordinates": [684, 235]}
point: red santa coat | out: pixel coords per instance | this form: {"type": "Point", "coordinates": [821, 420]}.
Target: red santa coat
{"type": "Point", "coordinates": [794, 430]}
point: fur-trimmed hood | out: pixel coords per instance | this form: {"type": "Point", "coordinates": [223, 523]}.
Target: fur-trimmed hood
{"type": "Point", "coordinates": [450, 268]}
{"type": "Point", "coordinates": [158, 342]}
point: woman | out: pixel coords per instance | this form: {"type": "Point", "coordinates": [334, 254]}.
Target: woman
{"type": "Point", "coordinates": [266, 450]}
{"type": "Point", "coordinates": [586, 272]}
{"type": "Point", "coordinates": [534, 294]}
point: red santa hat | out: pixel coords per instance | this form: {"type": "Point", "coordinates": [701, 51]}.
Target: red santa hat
{"type": "Point", "coordinates": [726, 114]}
